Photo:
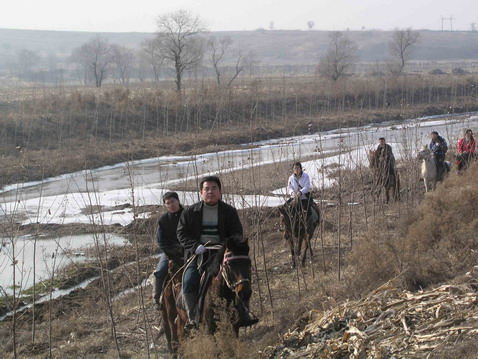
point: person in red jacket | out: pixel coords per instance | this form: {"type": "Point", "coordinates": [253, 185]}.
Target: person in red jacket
{"type": "Point", "coordinates": [466, 150]}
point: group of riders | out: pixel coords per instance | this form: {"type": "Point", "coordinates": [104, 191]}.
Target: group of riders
{"type": "Point", "coordinates": [466, 152]}
{"type": "Point", "coordinates": [185, 235]}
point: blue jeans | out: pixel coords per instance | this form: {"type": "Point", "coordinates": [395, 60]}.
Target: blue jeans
{"type": "Point", "coordinates": [161, 271]}
{"type": "Point", "coordinates": [191, 278]}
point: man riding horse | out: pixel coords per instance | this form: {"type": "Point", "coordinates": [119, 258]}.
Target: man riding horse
{"type": "Point", "coordinates": [205, 223]}
{"type": "Point", "coordinates": [299, 185]}
{"type": "Point", "coordinates": [382, 161]}
{"type": "Point", "coordinates": [439, 147]}
{"type": "Point", "coordinates": [168, 242]}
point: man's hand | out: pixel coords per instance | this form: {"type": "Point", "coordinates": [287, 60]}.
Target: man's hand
{"type": "Point", "coordinates": [298, 193]}
{"type": "Point", "coordinates": [200, 249]}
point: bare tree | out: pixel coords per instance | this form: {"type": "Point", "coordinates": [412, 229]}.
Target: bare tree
{"type": "Point", "coordinates": [179, 42]}
{"type": "Point", "coordinates": [123, 59]}
{"type": "Point", "coordinates": [401, 48]}
{"type": "Point", "coordinates": [219, 50]}
{"type": "Point", "coordinates": [151, 52]}
{"type": "Point", "coordinates": [96, 56]}
{"type": "Point", "coordinates": [340, 57]}
{"type": "Point", "coordinates": [310, 24]}
{"type": "Point", "coordinates": [26, 60]}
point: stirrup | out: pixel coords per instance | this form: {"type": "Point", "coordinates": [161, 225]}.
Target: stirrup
{"type": "Point", "coordinates": [190, 325]}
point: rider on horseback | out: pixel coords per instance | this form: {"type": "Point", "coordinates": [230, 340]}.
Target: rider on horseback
{"type": "Point", "coordinates": [439, 147]}
{"type": "Point", "coordinates": [386, 159]}
{"type": "Point", "coordinates": [466, 149]}
{"type": "Point", "coordinates": [210, 221]}
{"type": "Point", "coordinates": [168, 242]}
{"type": "Point", "coordinates": [299, 185]}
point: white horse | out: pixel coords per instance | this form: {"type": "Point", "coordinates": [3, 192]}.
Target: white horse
{"type": "Point", "coordinates": [429, 168]}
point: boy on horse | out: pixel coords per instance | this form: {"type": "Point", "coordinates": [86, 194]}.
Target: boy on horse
{"type": "Point", "coordinates": [439, 147]}
{"type": "Point", "coordinates": [168, 242]}
{"type": "Point", "coordinates": [299, 185]}
{"type": "Point", "coordinates": [208, 222]}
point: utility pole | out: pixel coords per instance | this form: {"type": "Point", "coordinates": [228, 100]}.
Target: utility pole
{"type": "Point", "coordinates": [451, 23]}
{"type": "Point", "coordinates": [442, 20]}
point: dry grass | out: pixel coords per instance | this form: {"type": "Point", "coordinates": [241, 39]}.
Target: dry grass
{"type": "Point", "coordinates": [439, 240]}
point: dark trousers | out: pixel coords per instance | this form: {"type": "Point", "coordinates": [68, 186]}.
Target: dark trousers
{"type": "Point", "coordinates": [161, 270]}
{"type": "Point", "coordinates": [191, 278]}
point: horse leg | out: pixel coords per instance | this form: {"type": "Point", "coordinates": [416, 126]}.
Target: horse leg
{"type": "Point", "coordinates": [300, 238]}
{"type": "Point", "coordinates": [166, 320]}
{"type": "Point", "coordinates": [306, 247]}
{"type": "Point", "coordinates": [425, 182]}
{"type": "Point", "coordinates": [292, 252]}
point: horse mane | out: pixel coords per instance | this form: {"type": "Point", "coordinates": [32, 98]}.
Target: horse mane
{"type": "Point", "coordinates": [236, 244]}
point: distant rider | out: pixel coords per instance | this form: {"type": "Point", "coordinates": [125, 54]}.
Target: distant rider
{"type": "Point", "coordinates": [299, 185]}
{"type": "Point", "coordinates": [466, 149]}
{"type": "Point", "coordinates": [386, 160]}
{"type": "Point", "coordinates": [439, 147]}
{"type": "Point", "coordinates": [168, 242]}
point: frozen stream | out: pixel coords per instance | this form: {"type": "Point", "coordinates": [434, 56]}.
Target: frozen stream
{"type": "Point", "coordinates": [51, 254]}
{"type": "Point", "coordinates": [63, 199]}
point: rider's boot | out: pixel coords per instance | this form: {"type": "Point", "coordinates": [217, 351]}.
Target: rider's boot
{"type": "Point", "coordinates": [246, 320]}
{"type": "Point", "coordinates": [190, 301]}
{"type": "Point", "coordinates": [156, 292]}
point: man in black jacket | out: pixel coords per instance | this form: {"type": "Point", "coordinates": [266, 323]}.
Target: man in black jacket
{"type": "Point", "coordinates": [210, 221]}
{"type": "Point", "coordinates": [168, 242]}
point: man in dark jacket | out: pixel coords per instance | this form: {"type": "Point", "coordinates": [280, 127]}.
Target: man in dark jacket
{"type": "Point", "coordinates": [210, 221]}
{"type": "Point", "coordinates": [439, 147]}
{"type": "Point", "coordinates": [168, 242]}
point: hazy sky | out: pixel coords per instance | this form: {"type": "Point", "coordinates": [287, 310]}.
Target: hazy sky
{"type": "Point", "coordinates": [139, 15]}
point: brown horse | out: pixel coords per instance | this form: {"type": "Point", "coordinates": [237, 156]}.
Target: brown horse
{"type": "Point", "coordinates": [227, 287]}
{"type": "Point", "coordinates": [172, 324]}
{"type": "Point", "coordinates": [385, 175]}
{"type": "Point", "coordinates": [294, 225]}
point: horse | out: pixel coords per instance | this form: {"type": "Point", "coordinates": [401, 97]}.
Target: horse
{"type": "Point", "coordinates": [225, 288]}
{"type": "Point", "coordinates": [429, 171]}
{"type": "Point", "coordinates": [228, 287]}
{"type": "Point", "coordinates": [294, 225]}
{"type": "Point", "coordinates": [172, 324]}
{"type": "Point", "coordinates": [385, 175]}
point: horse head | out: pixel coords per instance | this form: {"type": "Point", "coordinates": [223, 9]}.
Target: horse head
{"type": "Point", "coordinates": [425, 154]}
{"type": "Point", "coordinates": [236, 273]}
{"type": "Point", "coordinates": [372, 158]}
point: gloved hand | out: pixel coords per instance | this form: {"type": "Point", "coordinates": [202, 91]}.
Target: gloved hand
{"type": "Point", "coordinates": [200, 249]}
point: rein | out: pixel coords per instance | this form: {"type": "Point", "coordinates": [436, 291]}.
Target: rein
{"type": "Point", "coordinates": [224, 272]}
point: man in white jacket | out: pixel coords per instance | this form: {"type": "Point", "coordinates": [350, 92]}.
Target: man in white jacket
{"type": "Point", "coordinates": [299, 185]}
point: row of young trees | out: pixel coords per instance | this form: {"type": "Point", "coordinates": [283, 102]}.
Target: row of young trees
{"type": "Point", "coordinates": [181, 45]}
{"type": "Point", "coordinates": [177, 44]}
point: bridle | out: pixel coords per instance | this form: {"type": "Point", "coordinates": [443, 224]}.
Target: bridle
{"type": "Point", "coordinates": [225, 271]}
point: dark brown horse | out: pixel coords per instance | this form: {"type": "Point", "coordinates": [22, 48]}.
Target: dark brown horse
{"type": "Point", "coordinates": [172, 324]}
{"type": "Point", "coordinates": [227, 287]}
{"type": "Point", "coordinates": [294, 225]}
{"type": "Point", "coordinates": [384, 175]}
